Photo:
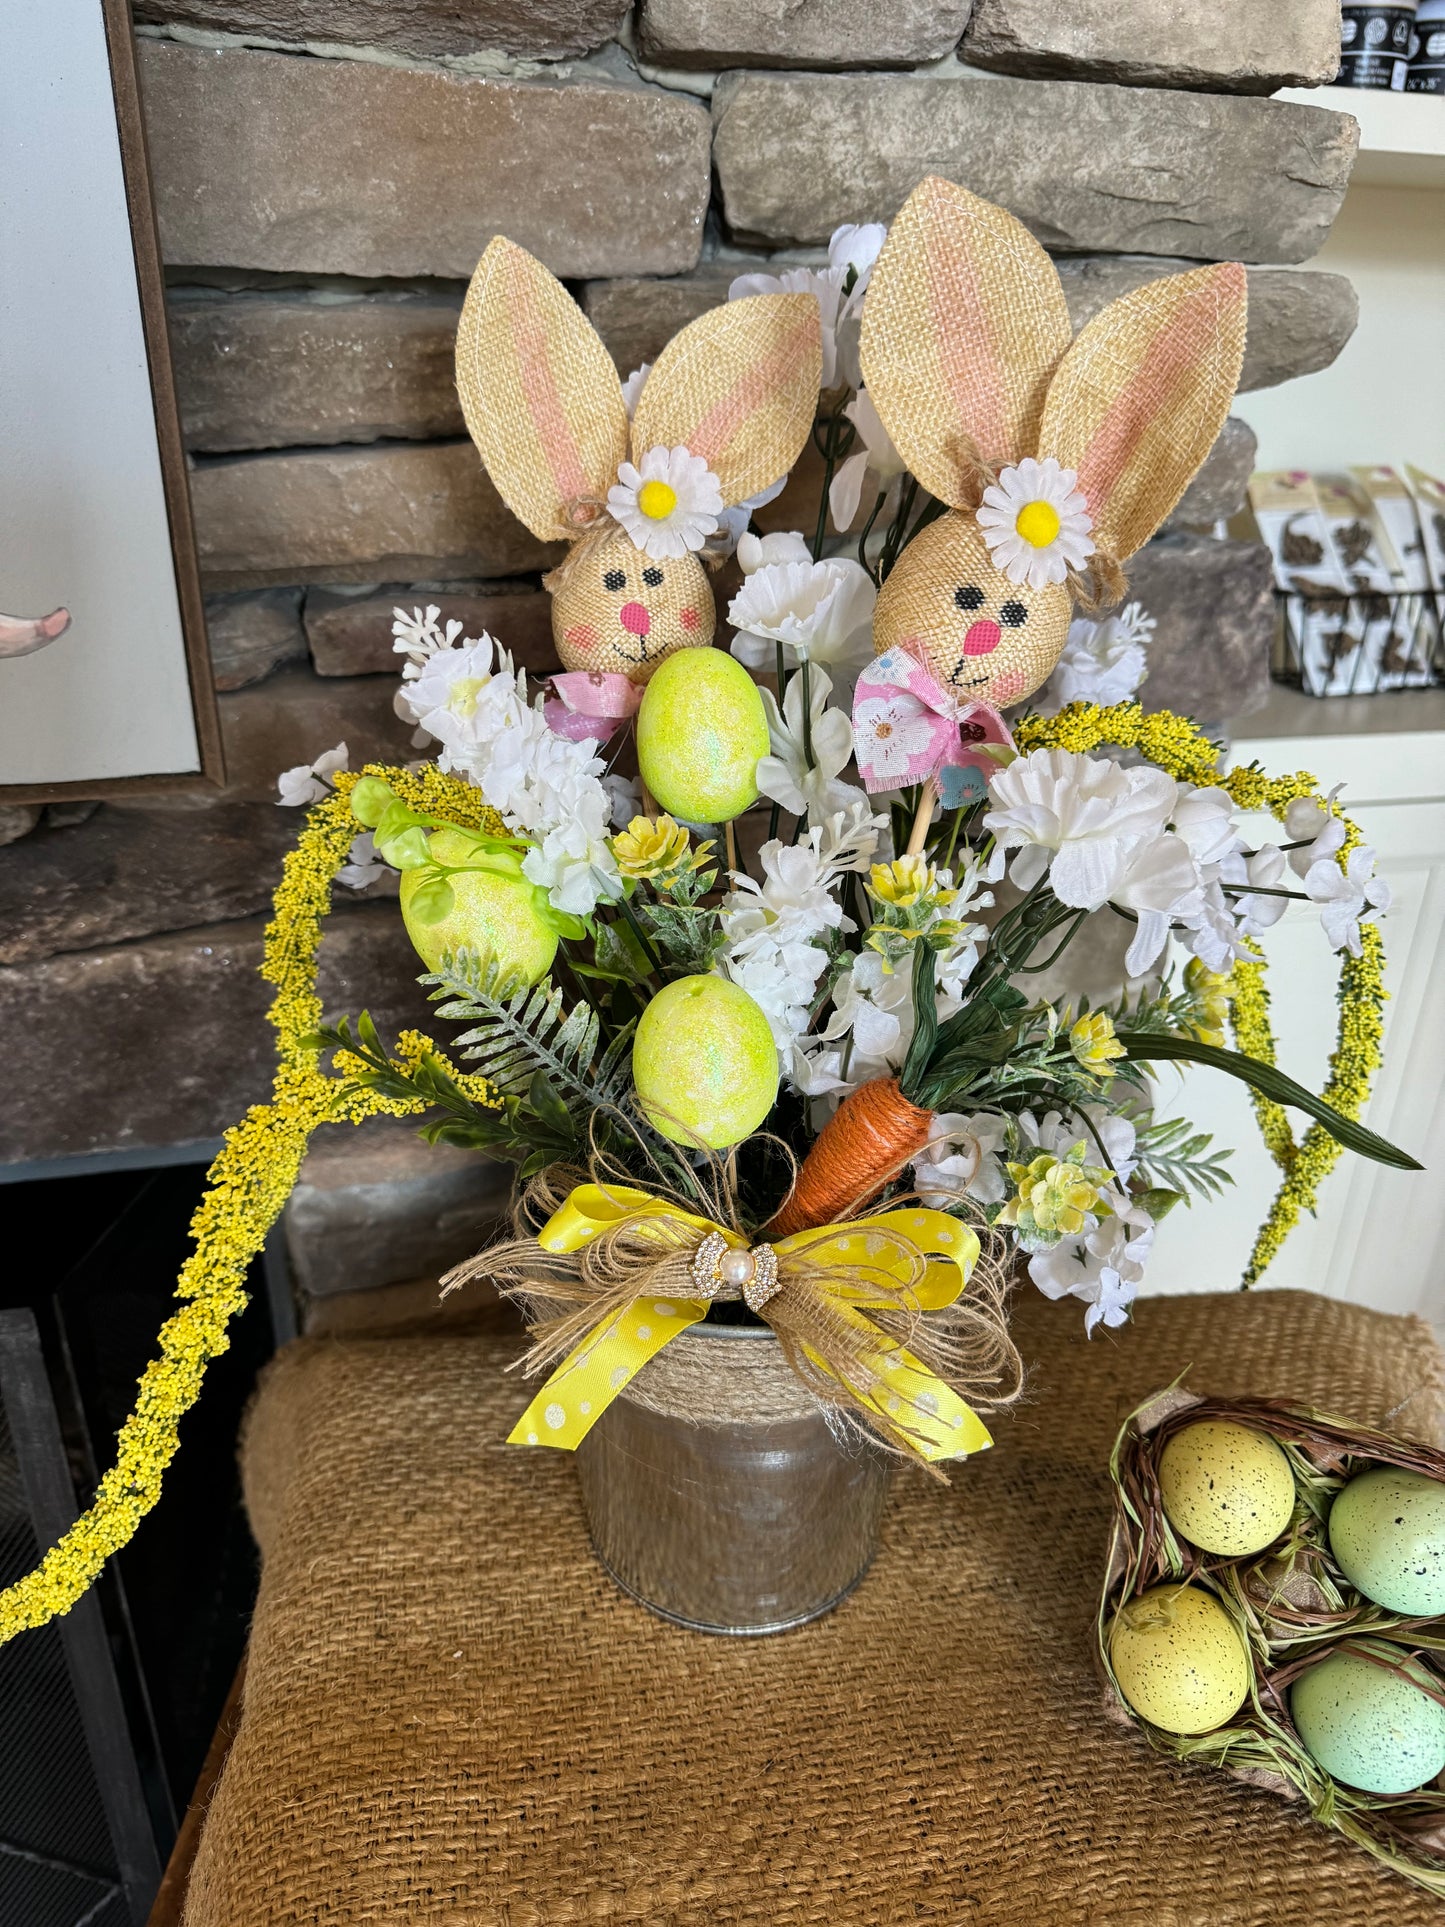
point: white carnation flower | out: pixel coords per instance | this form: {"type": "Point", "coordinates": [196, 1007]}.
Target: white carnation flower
{"type": "Point", "coordinates": [1078, 818]}
{"type": "Point", "coordinates": [822, 611]}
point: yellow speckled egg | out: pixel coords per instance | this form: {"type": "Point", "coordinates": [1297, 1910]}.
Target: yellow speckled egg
{"type": "Point", "coordinates": [491, 913]}
{"type": "Point", "coordinates": [700, 732]}
{"type": "Point", "coordinates": [1387, 1532]}
{"type": "Point", "coordinates": [1368, 1724]}
{"type": "Point", "coordinates": [704, 1062]}
{"type": "Point", "coordinates": [1226, 1488]}
{"type": "Point", "coordinates": [1179, 1660]}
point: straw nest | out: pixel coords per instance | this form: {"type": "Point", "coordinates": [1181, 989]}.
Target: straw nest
{"type": "Point", "coordinates": [1291, 1603]}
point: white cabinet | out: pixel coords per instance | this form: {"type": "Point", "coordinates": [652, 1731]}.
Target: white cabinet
{"type": "Point", "coordinates": [1379, 1236]}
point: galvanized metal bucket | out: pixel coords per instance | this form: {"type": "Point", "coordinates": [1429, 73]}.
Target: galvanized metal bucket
{"type": "Point", "coordinates": [717, 1495]}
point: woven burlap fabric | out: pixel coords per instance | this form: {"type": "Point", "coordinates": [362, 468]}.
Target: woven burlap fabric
{"type": "Point", "coordinates": [452, 1717]}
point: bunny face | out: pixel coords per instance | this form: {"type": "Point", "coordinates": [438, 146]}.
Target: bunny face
{"type": "Point", "coordinates": [617, 609]}
{"type": "Point", "coordinates": [980, 637]}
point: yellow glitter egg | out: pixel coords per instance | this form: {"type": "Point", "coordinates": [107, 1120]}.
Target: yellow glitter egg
{"type": "Point", "coordinates": [704, 1063]}
{"type": "Point", "coordinates": [490, 913]}
{"type": "Point", "coordinates": [1178, 1659]}
{"type": "Point", "coordinates": [1226, 1488]}
{"type": "Point", "coordinates": [700, 732]}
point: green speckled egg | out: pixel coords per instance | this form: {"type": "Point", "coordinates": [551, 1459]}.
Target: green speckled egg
{"type": "Point", "coordinates": [1226, 1488]}
{"type": "Point", "coordinates": [700, 732]}
{"type": "Point", "coordinates": [1368, 1726]}
{"type": "Point", "coordinates": [704, 1062]}
{"type": "Point", "coordinates": [489, 912]}
{"type": "Point", "coordinates": [1387, 1532]}
{"type": "Point", "coordinates": [1178, 1659]}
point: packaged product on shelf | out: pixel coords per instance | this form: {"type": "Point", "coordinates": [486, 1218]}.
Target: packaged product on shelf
{"type": "Point", "coordinates": [1426, 73]}
{"type": "Point", "coordinates": [1292, 526]}
{"type": "Point", "coordinates": [1429, 494]}
{"type": "Point", "coordinates": [1410, 650]}
{"type": "Point", "coordinates": [1375, 45]}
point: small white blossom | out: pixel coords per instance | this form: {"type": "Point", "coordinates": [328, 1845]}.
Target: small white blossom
{"type": "Point", "coordinates": [877, 457]}
{"type": "Point", "coordinates": [963, 1159]}
{"type": "Point", "coordinates": [419, 635]}
{"type": "Point", "coordinates": [1349, 896]}
{"type": "Point", "coordinates": [1160, 885]}
{"type": "Point", "coordinates": [362, 866]}
{"type": "Point", "coordinates": [632, 388]}
{"type": "Point", "coordinates": [852, 251]}
{"type": "Point", "coordinates": [306, 782]}
{"type": "Point", "coordinates": [785, 776]}
{"type": "Point", "coordinates": [1103, 1266]}
{"type": "Point", "coordinates": [1104, 660]}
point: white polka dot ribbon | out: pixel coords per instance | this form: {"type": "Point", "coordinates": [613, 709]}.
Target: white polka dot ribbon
{"type": "Point", "coordinates": [864, 1263]}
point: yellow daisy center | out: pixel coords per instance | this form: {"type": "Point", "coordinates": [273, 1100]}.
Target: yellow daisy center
{"type": "Point", "coordinates": [657, 500]}
{"type": "Point", "coordinates": [1038, 523]}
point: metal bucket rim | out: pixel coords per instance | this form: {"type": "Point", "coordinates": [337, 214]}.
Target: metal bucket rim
{"type": "Point", "coordinates": [705, 1330]}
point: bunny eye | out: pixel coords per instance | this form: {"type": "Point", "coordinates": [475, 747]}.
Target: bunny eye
{"type": "Point", "coordinates": [614, 579]}
{"type": "Point", "coordinates": [653, 578]}
{"type": "Point", "coordinates": [1013, 615]}
{"type": "Point", "coordinates": [969, 598]}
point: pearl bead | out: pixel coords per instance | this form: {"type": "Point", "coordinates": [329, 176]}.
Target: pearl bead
{"type": "Point", "coordinates": [736, 1268]}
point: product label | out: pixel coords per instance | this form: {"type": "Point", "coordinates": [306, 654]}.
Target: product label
{"type": "Point", "coordinates": [1375, 47]}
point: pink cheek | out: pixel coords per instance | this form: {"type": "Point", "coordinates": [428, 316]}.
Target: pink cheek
{"type": "Point", "coordinates": [582, 636]}
{"type": "Point", "coordinates": [1009, 688]}
{"type": "Point", "coordinates": [690, 618]}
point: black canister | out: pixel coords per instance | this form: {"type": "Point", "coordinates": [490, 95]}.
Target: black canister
{"type": "Point", "coordinates": [1427, 59]}
{"type": "Point", "coordinates": [1375, 45]}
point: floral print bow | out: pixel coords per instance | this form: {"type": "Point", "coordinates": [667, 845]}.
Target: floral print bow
{"type": "Point", "coordinates": [907, 727]}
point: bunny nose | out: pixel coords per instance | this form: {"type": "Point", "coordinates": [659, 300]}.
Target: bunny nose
{"type": "Point", "coordinates": [636, 621]}
{"type": "Point", "coordinates": [982, 637]}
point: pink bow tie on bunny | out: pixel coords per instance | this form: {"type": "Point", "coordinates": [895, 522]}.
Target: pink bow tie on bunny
{"type": "Point", "coordinates": [587, 703]}
{"type": "Point", "coordinates": [907, 727]}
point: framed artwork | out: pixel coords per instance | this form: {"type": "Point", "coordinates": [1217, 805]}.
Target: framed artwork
{"type": "Point", "coordinates": [105, 679]}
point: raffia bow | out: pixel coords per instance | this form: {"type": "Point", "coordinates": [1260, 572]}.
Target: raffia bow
{"type": "Point", "coordinates": [617, 1273]}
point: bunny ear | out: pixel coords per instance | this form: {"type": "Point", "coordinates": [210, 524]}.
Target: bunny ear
{"type": "Point", "coordinates": [964, 322]}
{"type": "Point", "coordinates": [1142, 395]}
{"type": "Point", "coordinates": [738, 386]}
{"type": "Point", "coordinates": [539, 392]}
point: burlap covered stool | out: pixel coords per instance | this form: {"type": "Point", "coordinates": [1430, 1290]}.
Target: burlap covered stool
{"type": "Point", "coordinates": [452, 1717]}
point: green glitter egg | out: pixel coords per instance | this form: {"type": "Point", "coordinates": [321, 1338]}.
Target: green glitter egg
{"type": "Point", "coordinates": [1387, 1532]}
{"type": "Point", "coordinates": [490, 913]}
{"type": "Point", "coordinates": [700, 732]}
{"type": "Point", "coordinates": [1366, 1723]}
{"type": "Point", "coordinates": [704, 1062]}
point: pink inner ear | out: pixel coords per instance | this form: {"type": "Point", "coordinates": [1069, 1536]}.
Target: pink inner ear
{"type": "Point", "coordinates": [581, 636]}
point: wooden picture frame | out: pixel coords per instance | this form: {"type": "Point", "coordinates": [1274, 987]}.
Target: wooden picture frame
{"type": "Point", "coordinates": [190, 766]}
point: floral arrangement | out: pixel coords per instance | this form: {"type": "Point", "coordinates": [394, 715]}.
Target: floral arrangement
{"type": "Point", "coordinates": [766, 1005]}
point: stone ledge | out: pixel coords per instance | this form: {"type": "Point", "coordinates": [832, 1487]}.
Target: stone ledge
{"type": "Point", "coordinates": [165, 1041]}
{"type": "Point", "coordinates": [375, 1205]}
{"type": "Point", "coordinates": [253, 635]}
{"type": "Point", "coordinates": [542, 28]}
{"type": "Point", "coordinates": [383, 513]}
{"type": "Point", "coordinates": [293, 717]}
{"type": "Point", "coordinates": [1214, 605]}
{"type": "Point", "coordinates": [1119, 168]}
{"type": "Point", "coordinates": [278, 161]}
{"type": "Point", "coordinates": [1235, 47]}
{"type": "Point", "coordinates": [713, 34]}
{"type": "Point", "coordinates": [350, 633]}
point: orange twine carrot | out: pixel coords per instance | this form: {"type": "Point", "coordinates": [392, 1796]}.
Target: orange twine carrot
{"type": "Point", "coordinates": [868, 1140]}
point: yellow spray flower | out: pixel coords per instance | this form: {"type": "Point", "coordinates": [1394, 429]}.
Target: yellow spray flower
{"type": "Point", "coordinates": [1209, 1001]}
{"type": "Point", "coordinates": [1094, 1044]}
{"type": "Point", "coordinates": [906, 881]}
{"type": "Point", "coordinates": [654, 848]}
{"type": "Point", "coordinates": [1053, 1198]}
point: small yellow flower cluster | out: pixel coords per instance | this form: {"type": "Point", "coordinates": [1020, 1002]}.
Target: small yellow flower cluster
{"type": "Point", "coordinates": [906, 881]}
{"type": "Point", "coordinates": [247, 1187]}
{"type": "Point", "coordinates": [1092, 1040]}
{"type": "Point", "coordinates": [656, 849]}
{"type": "Point", "coordinates": [1176, 745]}
{"type": "Point", "coordinates": [1208, 994]}
{"type": "Point", "coordinates": [1053, 1197]}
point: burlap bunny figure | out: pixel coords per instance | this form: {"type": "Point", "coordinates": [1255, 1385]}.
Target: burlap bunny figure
{"type": "Point", "coordinates": [1057, 458]}
{"type": "Point", "coordinates": [723, 413]}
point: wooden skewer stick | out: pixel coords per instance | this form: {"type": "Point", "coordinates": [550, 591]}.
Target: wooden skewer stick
{"type": "Point", "coordinates": [649, 801]}
{"type": "Point", "coordinates": [918, 835]}
{"type": "Point", "coordinates": [730, 844]}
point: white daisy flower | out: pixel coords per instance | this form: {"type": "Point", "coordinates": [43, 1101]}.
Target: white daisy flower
{"type": "Point", "coordinates": [1036, 523]}
{"type": "Point", "coordinates": [669, 503]}
{"type": "Point", "coordinates": [890, 734]}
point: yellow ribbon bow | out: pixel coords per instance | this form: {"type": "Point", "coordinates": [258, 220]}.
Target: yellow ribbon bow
{"type": "Point", "coordinates": [939, 1423]}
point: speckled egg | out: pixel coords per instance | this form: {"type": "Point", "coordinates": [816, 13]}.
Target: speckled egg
{"type": "Point", "coordinates": [700, 732]}
{"type": "Point", "coordinates": [704, 1062]}
{"type": "Point", "coordinates": [1387, 1532]}
{"type": "Point", "coordinates": [1178, 1659]}
{"type": "Point", "coordinates": [1368, 1725]}
{"type": "Point", "coordinates": [1226, 1488]}
{"type": "Point", "coordinates": [489, 913]}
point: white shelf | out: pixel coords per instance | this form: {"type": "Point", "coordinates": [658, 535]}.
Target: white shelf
{"type": "Point", "coordinates": [1402, 136]}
